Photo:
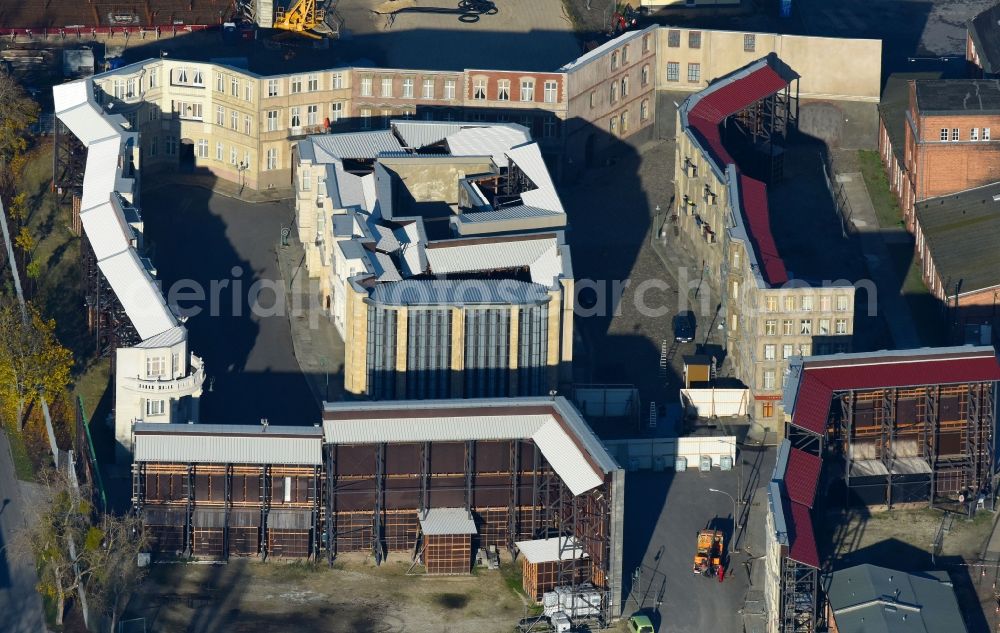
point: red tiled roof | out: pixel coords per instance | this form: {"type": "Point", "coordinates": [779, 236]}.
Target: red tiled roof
{"type": "Point", "coordinates": [801, 539]}
{"type": "Point", "coordinates": [802, 477]}
{"type": "Point", "coordinates": [705, 117]}
{"type": "Point", "coordinates": [812, 404]}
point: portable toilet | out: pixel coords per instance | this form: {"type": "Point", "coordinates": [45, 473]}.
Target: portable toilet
{"type": "Point", "coordinates": [681, 463]}
{"type": "Point", "coordinates": [659, 464]}
{"type": "Point", "coordinates": [705, 464]}
{"type": "Point", "coordinates": [726, 463]}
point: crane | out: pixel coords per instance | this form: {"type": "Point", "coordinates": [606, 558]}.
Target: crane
{"type": "Point", "coordinates": [301, 17]}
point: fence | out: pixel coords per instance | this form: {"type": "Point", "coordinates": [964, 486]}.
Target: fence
{"type": "Point", "coordinates": [104, 31]}
{"type": "Point", "coordinates": [840, 201]}
{"type": "Point", "coordinates": [84, 446]}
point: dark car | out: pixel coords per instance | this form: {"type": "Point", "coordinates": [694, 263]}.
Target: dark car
{"type": "Point", "coordinates": [684, 327]}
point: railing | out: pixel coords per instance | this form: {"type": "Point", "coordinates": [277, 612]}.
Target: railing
{"type": "Point", "coordinates": [156, 385]}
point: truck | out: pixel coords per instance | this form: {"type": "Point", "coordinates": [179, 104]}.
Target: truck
{"type": "Point", "coordinates": [708, 557]}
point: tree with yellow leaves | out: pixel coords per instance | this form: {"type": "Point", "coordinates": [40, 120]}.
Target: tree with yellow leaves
{"type": "Point", "coordinates": [32, 362]}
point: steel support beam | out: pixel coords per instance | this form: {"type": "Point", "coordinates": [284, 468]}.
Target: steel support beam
{"type": "Point", "coordinates": [228, 493]}
{"type": "Point", "coordinates": [331, 506]}
{"type": "Point", "coordinates": [425, 473]}
{"type": "Point", "coordinates": [378, 545]}
{"type": "Point", "coordinates": [188, 528]}
{"type": "Point", "coordinates": [515, 485]}
{"type": "Point", "coordinates": [470, 449]}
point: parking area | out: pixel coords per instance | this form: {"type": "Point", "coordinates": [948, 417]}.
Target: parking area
{"type": "Point", "coordinates": [223, 250]}
{"type": "Point", "coordinates": [664, 512]}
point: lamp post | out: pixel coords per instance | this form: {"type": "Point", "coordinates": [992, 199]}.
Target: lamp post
{"type": "Point", "coordinates": [735, 517]}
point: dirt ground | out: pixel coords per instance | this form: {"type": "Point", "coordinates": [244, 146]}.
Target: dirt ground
{"type": "Point", "coordinates": [245, 596]}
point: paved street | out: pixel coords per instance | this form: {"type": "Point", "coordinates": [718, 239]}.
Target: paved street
{"type": "Point", "coordinates": [215, 241]}
{"type": "Point", "coordinates": [20, 605]}
{"type": "Point", "coordinates": [663, 513]}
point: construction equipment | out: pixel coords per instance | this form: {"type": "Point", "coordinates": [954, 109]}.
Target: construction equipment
{"type": "Point", "coordinates": [302, 17]}
{"type": "Point", "coordinates": [708, 558]}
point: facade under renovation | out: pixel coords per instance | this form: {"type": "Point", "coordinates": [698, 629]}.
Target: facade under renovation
{"type": "Point", "coordinates": [429, 481]}
{"type": "Point", "coordinates": [440, 257]}
{"type": "Point", "coordinates": [898, 427]}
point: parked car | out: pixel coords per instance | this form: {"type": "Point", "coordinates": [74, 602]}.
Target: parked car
{"type": "Point", "coordinates": [640, 624]}
{"type": "Point", "coordinates": [684, 325]}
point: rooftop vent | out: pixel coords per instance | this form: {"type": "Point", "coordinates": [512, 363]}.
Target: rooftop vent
{"type": "Point", "coordinates": [996, 198]}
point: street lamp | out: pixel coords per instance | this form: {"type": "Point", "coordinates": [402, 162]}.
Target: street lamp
{"type": "Point", "coordinates": [735, 517]}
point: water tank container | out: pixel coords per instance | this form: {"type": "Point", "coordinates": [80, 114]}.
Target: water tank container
{"type": "Point", "coordinates": [705, 464]}
{"type": "Point", "coordinates": [659, 464]}
{"type": "Point", "coordinates": [681, 464]}
{"type": "Point", "coordinates": [726, 463]}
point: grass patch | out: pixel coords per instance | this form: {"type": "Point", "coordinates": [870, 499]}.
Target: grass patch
{"type": "Point", "coordinates": [886, 207]}
{"type": "Point", "coordinates": [24, 467]}
{"type": "Point", "coordinates": [296, 570]}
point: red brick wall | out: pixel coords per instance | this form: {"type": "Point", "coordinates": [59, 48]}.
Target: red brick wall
{"type": "Point", "coordinates": [515, 86]}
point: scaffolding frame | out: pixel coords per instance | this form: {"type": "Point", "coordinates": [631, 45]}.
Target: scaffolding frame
{"type": "Point", "coordinates": [767, 122]}
{"type": "Point", "coordinates": [799, 596]}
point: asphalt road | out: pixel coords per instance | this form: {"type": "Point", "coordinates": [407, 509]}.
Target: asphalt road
{"type": "Point", "coordinates": [20, 605]}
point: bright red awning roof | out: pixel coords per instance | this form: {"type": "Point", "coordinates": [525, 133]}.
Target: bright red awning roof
{"type": "Point", "coordinates": [801, 539]}
{"type": "Point", "coordinates": [802, 476]}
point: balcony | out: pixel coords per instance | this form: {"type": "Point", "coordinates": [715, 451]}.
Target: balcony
{"type": "Point", "coordinates": [176, 388]}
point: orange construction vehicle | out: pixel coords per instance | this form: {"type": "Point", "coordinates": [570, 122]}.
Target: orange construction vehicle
{"type": "Point", "coordinates": [708, 558]}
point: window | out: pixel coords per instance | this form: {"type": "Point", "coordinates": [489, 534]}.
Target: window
{"type": "Point", "coordinates": [613, 125]}
{"type": "Point", "coordinates": [824, 327]}
{"type": "Point", "coordinates": [694, 39]}
{"type": "Point", "coordinates": [234, 87]}
{"type": "Point", "coordinates": [825, 303]}
{"type": "Point", "coordinates": [234, 120]}
{"type": "Point", "coordinates": [170, 145]}
{"type": "Point", "coordinates": [312, 83]}
{"type": "Point", "coordinates": [549, 127]}
{"type": "Point", "coordinates": [366, 118]}
{"type": "Point", "coordinates": [673, 38]}
{"type": "Point", "coordinates": [806, 349]}
{"type": "Point", "coordinates": [644, 110]}
{"type": "Point", "coordinates": [386, 117]}
{"type": "Point", "coordinates": [386, 87]}
{"type": "Point", "coordinates": [449, 89]}
{"type": "Point", "coordinates": [296, 85]}
{"type": "Point", "coordinates": [625, 54]}
{"type": "Point", "coordinates": [614, 91]}
{"type": "Point", "coordinates": [479, 90]}
{"type": "Point", "coordinates": [312, 115]}
{"type": "Point", "coordinates": [694, 73]}
{"type": "Point", "coordinates": [232, 155]}
{"type": "Point", "coordinates": [614, 60]}
{"type": "Point", "coordinates": [769, 351]}
{"type": "Point", "coordinates": [130, 88]}
{"type": "Point", "coordinates": [645, 43]}
{"type": "Point", "coordinates": [152, 146]}
{"type": "Point", "coordinates": [336, 110]}
{"type": "Point", "coordinates": [787, 327]}
{"type": "Point", "coordinates": [974, 134]}
{"type": "Point", "coordinates": [770, 304]}
{"type": "Point", "coordinates": [623, 119]}
{"type": "Point", "coordinates": [769, 379]}
{"type": "Point", "coordinates": [766, 409]}
{"type": "Point", "coordinates": [528, 91]}
{"type": "Point", "coordinates": [624, 87]}
{"type": "Point", "coordinates": [789, 304]}
{"type": "Point", "coordinates": [644, 75]}
{"type": "Point", "coordinates": [841, 303]}
{"type": "Point", "coordinates": [272, 159]}
{"type": "Point", "coordinates": [246, 159]}
{"type": "Point", "coordinates": [807, 303]}
{"type": "Point", "coordinates": [427, 91]}
{"type": "Point", "coordinates": [786, 351]}
{"type": "Point", "coordinates": [156, 366]}
{"type": "Point", "coordinates": [248, 92]}
{"type": "Point", "coordinates": [770, 327]}
{"type": "Point", "coordinates": [366, 86]}
{"type": "Point", "coordinates": [218, 151]}
{"type": "Point", "coordinates": [273, 87]}
{"type": "Point", "coordinates": [154, 78]}
{"type": "Point", "coordinates": [593, 99]}
{"type": "Point", "coordinates": [944, 134]}
{"type": "Point", "coordinates": [805, 326]}
{"type": "Point", "coordinates": [306, 181]}
{"type": "Point", "coordinates": [220, 115]}
{"type": "Point", "coordinates": [220, 82]}
{"type": "Point", "coordinates": [551, 89]}
{"type": "Point", "coordinates": [182, 75]}
{"type": "Point", "coordinates": [272, 120]}
{"type": "Point", "coordinates": [337, 81]}
{"type": "Point", "coordinates": [155, 407]}
{"type": "Point", "coordinates": [954, 134]}
{"type": "Point", "coordinates": [503, 90]}
{"type": "Point", "coordinates": [247, 124]}
{"type": "Point", "coordinates": [119, 89]}
{"type": "Point", "coordinates": [294, 120]}
{"type": "Point", "coordinates": [986, 133]}
{"type": "Point", "coordinates": [840, 326]}
{"type": "Point", "coordinates": [673, 71]}
{"type": "Point", "coordinates": [749, 42]}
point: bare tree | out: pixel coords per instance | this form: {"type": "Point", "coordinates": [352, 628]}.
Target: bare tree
{"type": "Point", "coordinates": [117, 573]}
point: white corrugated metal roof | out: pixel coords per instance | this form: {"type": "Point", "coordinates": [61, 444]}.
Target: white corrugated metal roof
{"type": "Point", "coordinates": [137, 293]}
{"type": "Point", "coordinates": [487, 255]}
{"type": "Point", "coordinates": [550, 550]}
{"type": "Point", "coordinates": [607, 46]}
{"type": "Point", "coordinates": [171, 337]}
{"type": "Point", "coordinates": [384, 267]}
{"type": "Point", "coordinates": [106, 229]}
{"type": "Point", "coordinates": [565, 458]}
{"type": "Point", "coordinates": [493, 141]}
{"type": "Point", "coordinates": [444, 521]}
{"type": "Point", "coordinates": [101, 172]}
{"type": "Point", "coordinates": [417, 134]}
{"type": "Point", "coordinates": [69, 95]}
{"type": "Point", "coordinates": [529, 159]}
{"type": "Point", "coordinates": [91, 126]}
{"type": "Point", "coordinates": [354, 145]}
{"type": "Point", "coordinates": [226, 445]}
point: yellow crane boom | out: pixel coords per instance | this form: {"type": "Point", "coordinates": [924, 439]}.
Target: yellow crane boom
{"type": "Point", "coordinates": [302, 17]}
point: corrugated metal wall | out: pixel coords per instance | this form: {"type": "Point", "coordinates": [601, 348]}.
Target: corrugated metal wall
{"type": "Point", "coordinates": [532, 357]}
{"type": "Point", "coordinates": [428, 353]}
{"type": "Point", "coordinates": [381, 353]}
{"type": "Point", "coordinates": [487, 352]}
